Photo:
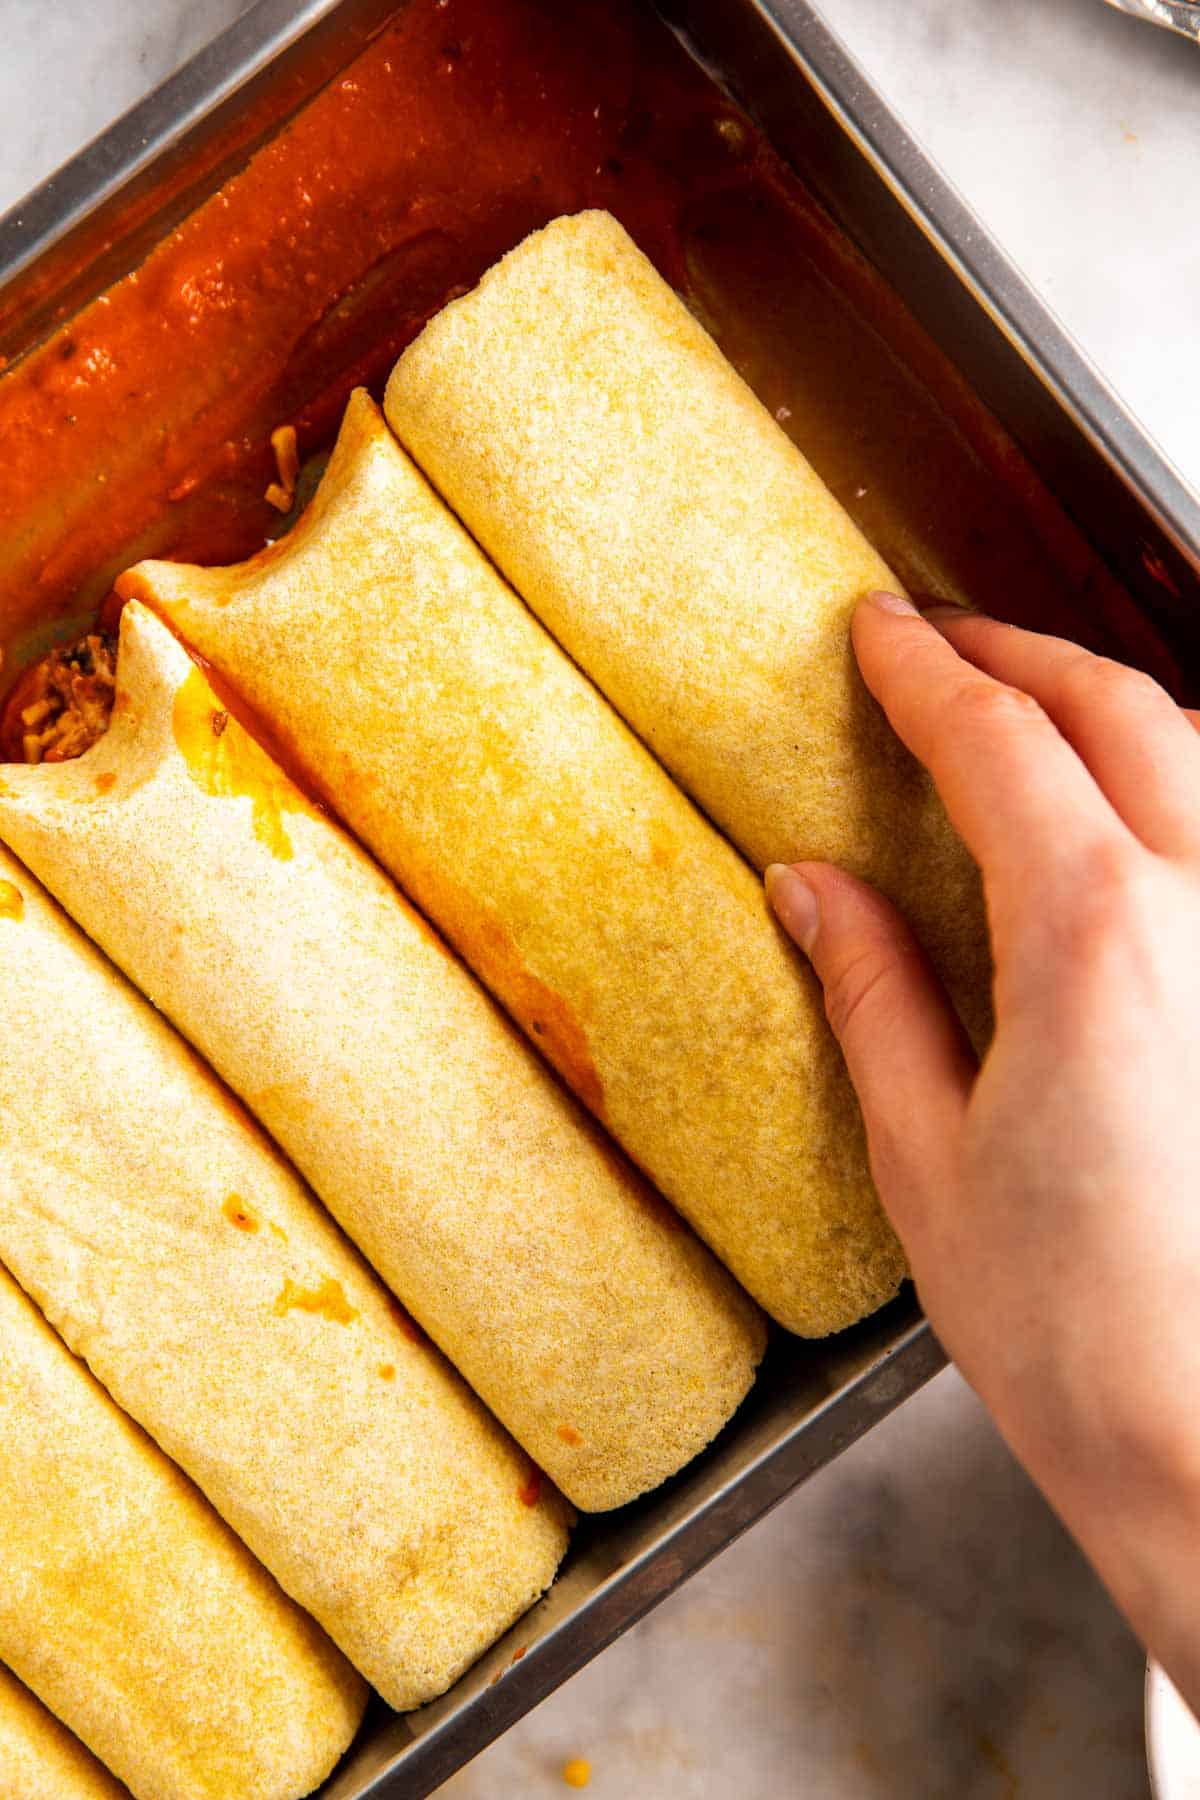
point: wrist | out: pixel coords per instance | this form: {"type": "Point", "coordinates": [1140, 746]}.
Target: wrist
{"type": "Point", "coordinates": [1120, 1465]}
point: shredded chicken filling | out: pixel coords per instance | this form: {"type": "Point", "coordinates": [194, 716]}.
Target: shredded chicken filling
{"type": "Point", "coordinates": [69, 701]}
{"type": "Point", "coordinates": [282, 493]}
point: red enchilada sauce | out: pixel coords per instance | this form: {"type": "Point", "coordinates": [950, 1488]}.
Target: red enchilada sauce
{"type": "Point", "coordinates": [144, 425]}
{"type": "Point", "coordinates": [530, 1490]}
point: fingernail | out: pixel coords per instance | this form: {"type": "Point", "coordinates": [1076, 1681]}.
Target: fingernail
{"type": "Point", "coordinates": [891, 603]}
{"type": "Point", "coordinates": [795, 904]}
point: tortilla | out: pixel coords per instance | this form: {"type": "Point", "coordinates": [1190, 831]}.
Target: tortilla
{"type": "Point", "coordinates": [599, 1331]}
{"type": "Point", "coordinates": [135, 1615]}
{"type": "Point", "coordinates": [40, 1758]}
{"type": "Point", "coordinates": [177, 1253]}
{"type": "Point", "coordinates": [658, 521]}
{"type": "Point", "coordinates": [634, 946]}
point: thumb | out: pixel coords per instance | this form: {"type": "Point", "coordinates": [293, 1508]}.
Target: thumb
{"type": "Point", "coordinates": [908, 1056]}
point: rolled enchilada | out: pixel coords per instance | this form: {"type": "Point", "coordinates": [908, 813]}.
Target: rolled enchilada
{"type": "Point", "coordinates": [135, 1614]}
{"type": "Point", "coordinates": [177, 1253]}
{"type": "Point", "coordinates": [658, 521]}
{"type": "Point", "coordinates": [40, 1758]}
{"type": "Point", "coordinates": [634, 946]}
{"type": "Point", "coordinates": [599, 1330]}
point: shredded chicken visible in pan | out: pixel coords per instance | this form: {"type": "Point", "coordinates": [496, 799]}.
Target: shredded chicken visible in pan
{"type": "Point", "coordinates": [282, 493]}
{"type": "Point", "coordinates": [69, 704]}
{"type": "Point", "coordinates": [58, 708]}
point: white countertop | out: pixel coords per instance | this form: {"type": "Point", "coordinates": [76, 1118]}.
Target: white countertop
{"type": "Point", "coordinates": [913, 1624]}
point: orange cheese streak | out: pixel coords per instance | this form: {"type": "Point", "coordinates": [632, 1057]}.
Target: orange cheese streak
{"type": "Point", "coordinates": [239, 1214]}
{"type": "Point", "coordinates": [328, 1299]}
{"type": "Point", "coordinates": [224, 760]}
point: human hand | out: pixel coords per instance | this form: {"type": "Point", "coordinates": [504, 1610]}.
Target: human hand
{"type": "Point", "coordinates": [1049, 1199]}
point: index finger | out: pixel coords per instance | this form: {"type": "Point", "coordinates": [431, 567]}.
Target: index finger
{"type": "Point", "coordinates": [1014, 789]}
{"type": "Point", "coordinates": [1134, 741]}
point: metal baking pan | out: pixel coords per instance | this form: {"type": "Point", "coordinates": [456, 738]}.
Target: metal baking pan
{"type": "Point", "coordinates": [96, 219]}
{"type": "Point", "coordinates": [1182, 16]}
